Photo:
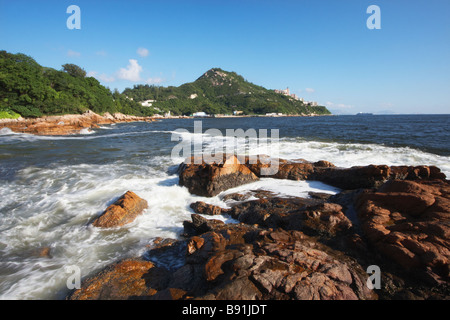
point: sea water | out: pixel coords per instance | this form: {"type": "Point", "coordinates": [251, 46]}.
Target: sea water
{"type": "Point", "coordinates": [52, 187]}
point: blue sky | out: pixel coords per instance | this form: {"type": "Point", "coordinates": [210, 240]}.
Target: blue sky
{"type": "Point", "coordinates": [321, 49]}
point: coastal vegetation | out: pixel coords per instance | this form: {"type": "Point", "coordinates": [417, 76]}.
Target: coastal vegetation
{"type": "Point", "coordinates": [30, 90]}
{"type": "Point", "coordinates": [221, 92]}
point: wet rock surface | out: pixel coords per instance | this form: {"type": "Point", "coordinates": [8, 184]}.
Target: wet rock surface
{"type": "Point", "coordinates": [236, 262]}
{"type": "Point", "coordinates": [209, 179]}
{"type": "Point", "coordinates": [395, 218]}
{"type": "Point", "coordinates": [123, 211]}
{"type": "Point", "coordinates": [409, 222]}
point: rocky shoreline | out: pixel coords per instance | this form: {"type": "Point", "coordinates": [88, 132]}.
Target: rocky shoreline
{"type": "Point", "coordinates": [315, 248]}
{"type": "Point", "coordinates": [67, 124]}
{"type": "Point", "coordinates": [75, 123]}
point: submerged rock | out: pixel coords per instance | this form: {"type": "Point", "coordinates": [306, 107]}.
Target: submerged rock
{"type": "Point", "coordinates": [121, 212]}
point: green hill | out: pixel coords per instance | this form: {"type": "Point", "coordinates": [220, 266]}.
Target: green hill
{"type": "Point", "coordinates": [31, 90]}
{"type": "Point", "coordinates": [28, 89]}
{"type": "Point", "coordinates": [220, 92]}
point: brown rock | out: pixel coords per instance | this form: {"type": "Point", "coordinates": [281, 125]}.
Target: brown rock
{"type": "Point", "coordinates": [169, 294]}
{"type": "Point", "coordinates": [119, 281]}
{"type": "Point", "coordinates": [200, 225]}
{"type": "Point", "coordinates": [213, 265]}
{"type": "Point", "coordinates": [122, 212]}
{"type": "Point", "coordinates": [236, 262]}
{"type": "Point", "coordinates": [308, 215]}
{"type": "Point", "coordinates": [66, 124]}
{"type": "Point", "coordinates": [201, 207]}
{"type": "Point", "coordinates": [209, 179]}
{"type": "Point", "coordinates": [281, 169]}
{"type": "Point", "coordinates": [194, 244]}
{"type": "Point", "coordinates": [324, 219]}
{"type": "Point", "coordinates": [42, 252]}
{"type": "Point", "coordinates": [409, 222]}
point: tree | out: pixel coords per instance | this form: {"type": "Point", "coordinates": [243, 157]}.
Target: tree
{"type": "Point", "coordinates": [74, 70]}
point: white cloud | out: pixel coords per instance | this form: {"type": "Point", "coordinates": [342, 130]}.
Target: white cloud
{"type": "Point", "coordinates": [105, 78]}
{"type": "Point", "coordinates": [143, 52]}
{"type": "Point", "coordinates": [310, 90]}
{"type": "Point", "coordinates": [101, 77]}
{"type": "Point", "coordinates": [338, 105]}
{"type": "Point", "coordinates": [154, 80]}
{"type": "Point", "coordinates": [131, 72]}
{"type": "Point", "coordinates": [101, 53]}
{"type": "Point", "coordinates": [71, 53]}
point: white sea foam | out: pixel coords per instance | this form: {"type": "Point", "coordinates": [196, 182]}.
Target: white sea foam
{"type": "Point", "coordinates": [86, 131]}
{"type": "Point", "coordinates": [6, 132]}
{"type": "Point", "coordinates": [86, 134]}
{"type": "Point", "coordinates": [340, 154]}
{"type": "Point", "coordinates": [52, 207]}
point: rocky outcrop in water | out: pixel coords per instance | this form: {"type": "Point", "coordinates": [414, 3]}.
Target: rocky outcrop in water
{"type": "Point", "coordinates": [209, 179]}
{"type": "Point", "coordinates": [120, 281]}
{"type": "Point", "coordinates": [396, 218]}
{"type": "Point", "coordinates": [123, 211]}
{"type": "Point", "coordinates": [373, 176]}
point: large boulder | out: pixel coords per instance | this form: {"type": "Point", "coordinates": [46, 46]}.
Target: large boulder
{"type": "Point", "coordinates": [210, 178]}
{"type": "Point", "coordinates": [123, 211]}
{"type": "Point", "coordinates": [120, 281]}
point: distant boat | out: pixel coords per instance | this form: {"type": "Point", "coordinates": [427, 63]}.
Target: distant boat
{"type": "Point", "coordinates": [364, 114]}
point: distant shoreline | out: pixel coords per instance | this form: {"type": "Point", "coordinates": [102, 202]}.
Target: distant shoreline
{"type": "Point", "coordinates": [74, 123]}
{"type": "Point", "coordinates": [67, 124]}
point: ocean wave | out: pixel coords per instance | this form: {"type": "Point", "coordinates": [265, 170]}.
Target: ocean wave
{"type": "Point", "coordinates": [340, 154]}
{"type": "Point", "coordinates": [68, 197]}
{"type": "Point", "coordinates": [86, 131]}
{"type": "Point", "coordinates": [6, 132]}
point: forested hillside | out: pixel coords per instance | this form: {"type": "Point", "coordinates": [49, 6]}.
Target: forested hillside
{"type": "Point", "coordinates": [31, 90]}
{"type": "Point", "coordinates": [28, 89]}
{"type": "Point", "coordinates": [220, 92]}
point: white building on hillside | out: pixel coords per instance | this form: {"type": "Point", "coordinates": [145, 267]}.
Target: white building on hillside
{"type": "Point", "coordinates": [147, 103]}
